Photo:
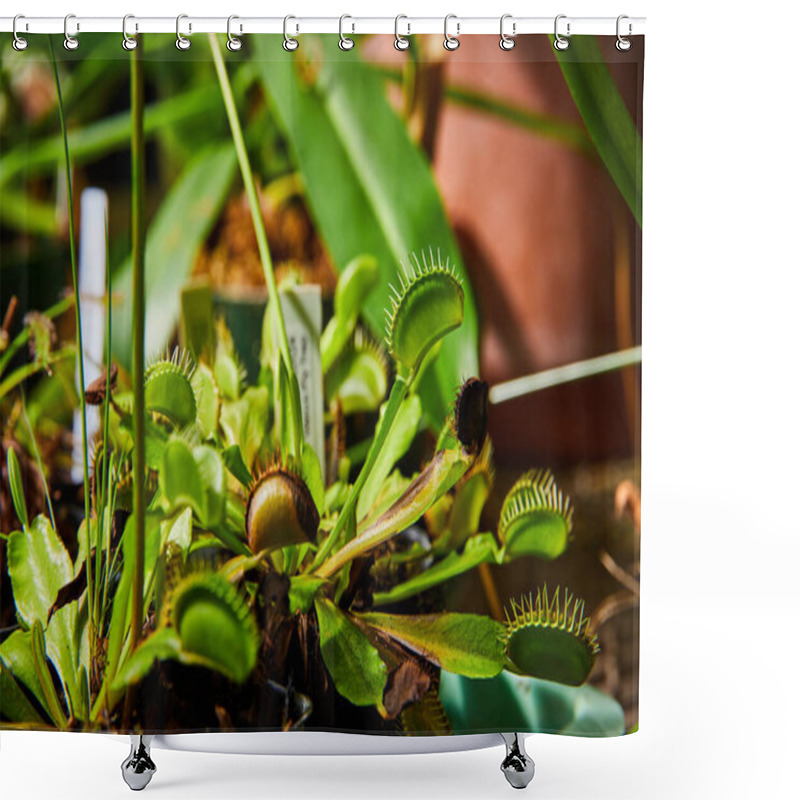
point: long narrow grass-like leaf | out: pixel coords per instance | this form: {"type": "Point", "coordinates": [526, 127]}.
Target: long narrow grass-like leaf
{"type": "Point", "coordinates": [606, 117]}
{"type": "Point", "coordinates": [95, 140]}
{"type": "Point", "coordinates": [546, 125]}
{"type": "Point", "coordinates": [137, 294]}
{"type": "Point", "coordinates": [73, 253]}
{"type": "Point", "coordinates": [252, 196]}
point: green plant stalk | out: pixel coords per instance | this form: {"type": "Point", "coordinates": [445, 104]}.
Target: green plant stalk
{"type": "Point", "coordinates": [528, 384]}
{"type": "Point", "coordinates": [103, 509]}
{"type": "Point", "coordinates": [396, 397]}
{"type": "Point", "coordinates": [138, 246]}
{"type": "Point", "coordinates": [252, 198]}
{"type": "Point", "coordinates": [82, 393]}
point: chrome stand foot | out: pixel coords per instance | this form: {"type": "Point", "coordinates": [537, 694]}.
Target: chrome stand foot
{"type": "Point", "coordinates": [138, 768]}
{"type": "Point", "coordinates": [517, 766]}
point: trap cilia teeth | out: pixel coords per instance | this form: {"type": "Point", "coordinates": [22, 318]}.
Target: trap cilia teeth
{"type": "Point", "coordinates": [428, 305]}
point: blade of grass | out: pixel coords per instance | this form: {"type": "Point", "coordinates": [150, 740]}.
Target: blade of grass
{"type": "Point", "coordinates": [606, 117]}
{"type": "Point", "coordinates": [79, 330]}
{"type": "Point", "coordinates": [97, 139]}
{"type": "Point", "coordinates": [252, 196]}
{"type": "Point", "coordinates": [138, 244]}
{"type": "Point", "coordinates": [559, 130]}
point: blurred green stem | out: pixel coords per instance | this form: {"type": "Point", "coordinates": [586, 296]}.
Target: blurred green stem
{"type": "Point", "coordinates": [252, 197]}
{"type": "Point", "coordinates": [73, 254]}
{"type": "Point", "coordinates": [138, 246]}
{"type": "Point", "coordinates": [501, 392]}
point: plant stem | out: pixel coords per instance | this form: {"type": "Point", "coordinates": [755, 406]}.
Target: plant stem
{"type": "Point", "coordinates": [252, 196]}
{"type": "Point", "coordinates": [501, 392]}
{"type": "Point", "coordinates": [82, 388]}
{"type": "Point", "coordinates": [396, 398]}
{"type": "Point", "coordinates": [138, 243]}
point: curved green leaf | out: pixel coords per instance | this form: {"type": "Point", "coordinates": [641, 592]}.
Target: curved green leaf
{"type": "Point", "coordinates": [343, 133]}
{"type": "Point", "coordinates": [606, 117]}
{"type": "Point", "coordinates": [357, 669]}
{"type": "Point", "coordinates": [479, 549]}
{"type": "Point", "coordinates": [467, 644]}
{"type": "Point", "coordinates": [174, 238]}
{"type": "Point", "coordinates": [509, 702]}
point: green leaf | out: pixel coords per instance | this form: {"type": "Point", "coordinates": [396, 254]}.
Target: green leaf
{"type": "Point", "coordinates": [467, 644]}
{"type": "Point", "coordinates": [176, 234]}
{"type": "Point", "coordinates": [246, 422]}
{"type": "Point", "coordinates": [356, 667]}
{"type": "Point", "coordinates": [479, 549]}
{"type": "Point", "coordinates": [14, 705]}
{"type": "Point", "coordinates": [39, 653]}
{"type": "Point", "coordinates": [302, 591]}
{"type": "Point", "coordinates": [212, 475]}
{"type": "Point", "coordinates": [38, 566]}
{"type": "Point", "coordinates": [606, 117]}
{"type": "Point", "coordinates": [344, 133]}
{"type": "Point", "coordinates": [207, 395]}
{"type": "Point", "coordinates": [398, 440]}
{"type": "Point", "coordinates": [232, 458]}
{"type": "Point", "coordinates": [312, 475]}
{"type": "Point", "coordinates": [15, 484]}
{"type": "Point", "coordinates": [163, 645]}
{"type": "Point", "coordinates": [511, 702]}
{"type": "Point", "coordinates": [355, 283]}
{"type": "Point", "coordinates": [358, 379]}
{"type": "Point", "coordinates": [178, 531]}
{"type": "Point", "coordinates": [17, 656]}
{"type": "Point", "coordinates": [180, 478]}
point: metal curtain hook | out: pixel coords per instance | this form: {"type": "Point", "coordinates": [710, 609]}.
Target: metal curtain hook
{"type": "Point", "coordinates": [623, 44]}
{"type": "Point", "coordinates": [128, 42]}
{"type": "Point", "coordinates": [289, 44]}
{"type": "Point", "coordinates": [345, 42]}
{"type": "Point", "coordinates": [451, 42]}
{"type": "Point", "coordinates": [234, 43]}
{"type": "Point", "coordinates": [181, 42]}
{"type": "Point", "coordinates": [560, 43]}
{"type": "Point", "coordinates": [70, 42]}
{"type": "Point", "coordinates": [19, 42]}
{"type": "Point", "coordinates": [506, 41]}
{"type": "Point", "coordinates": [400, 42]}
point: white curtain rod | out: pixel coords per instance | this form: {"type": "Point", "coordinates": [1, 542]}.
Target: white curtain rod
{"type": "Point", "coordinates": [457, 26]}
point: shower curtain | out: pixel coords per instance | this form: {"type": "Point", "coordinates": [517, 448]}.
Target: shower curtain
{"type": "Point", "coordinates": [319, 376]}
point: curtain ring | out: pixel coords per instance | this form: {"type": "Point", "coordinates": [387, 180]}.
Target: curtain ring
{"type": "Point", "coordinates": [345, 42]}
{"type": "Point", "coordinates": [70, 42]}
{"type": "Point", "coordinates": [451, 42]}
{"type": "Point", "coordinates": [128, 42]}
{"type": "Point", "coordinates": [234, 43]}
{"type": "Point", "coordinates": [400, 42]}
{"type": "Point", "coordinates": [19, 42]}
{"type": "Point", "coordinates": [623, 44]}
{"type": "Point", "coordinates": [507, 42]}
{"type": "Point", "coordinates": [181, 42]}
{"type": "Point", "coordinates": [289, 44]}
{"type": "Point", "coordinates": [560, 42]}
